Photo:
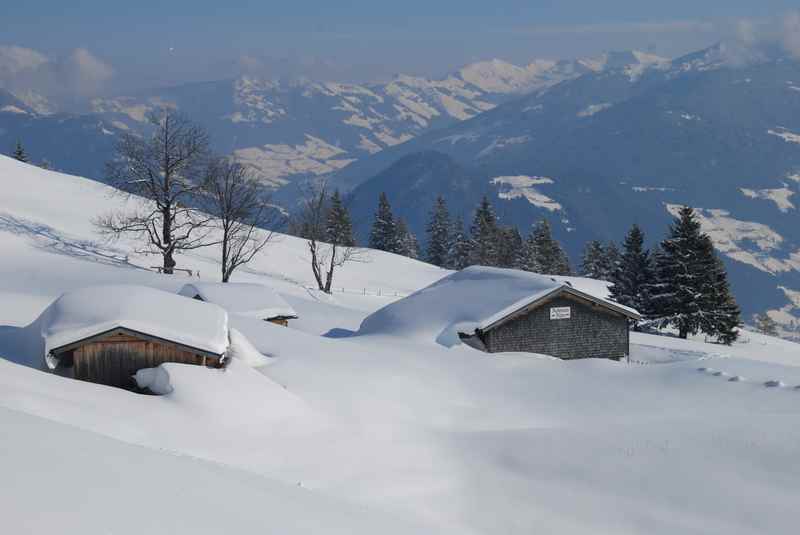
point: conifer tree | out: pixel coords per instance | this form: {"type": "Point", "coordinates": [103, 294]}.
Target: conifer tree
{"type": "Point", "coordinates": [405, 241]}
{"type": "Point", "coordinates": [339, 227]}
{"type": "Point", "coordinates": [611, 260]}
{"type": "Point", "coordinates": [438, 230]}
{"type": "Point", "coordinates": [633, 276]}
{"type": "Point", "coordinates": [675, 292]}
{"type": "Point", "coordinates": [721, 316]}
{"type": "Point", "coordinates": [510, 247]}
{"type": "Point", "coordinates": [593, 261]}
{"type": "Point", "coordinates": [545, 253]}
{"type": "Point", "coordinates": [383, 235]}
{"type": "Point", "coordinates": [529, 260]}
{"type": "Point", "coordinates": [459, 253]}
{"type": "Point", "coordinates": [483, 235]}
{"type": "Point", "coordinates": [20, 154]}
{"type": "Point", "coordinates": [690, 291]}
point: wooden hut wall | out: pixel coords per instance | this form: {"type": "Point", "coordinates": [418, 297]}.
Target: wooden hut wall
{"type": "Point", "coordinates": [114, 360]}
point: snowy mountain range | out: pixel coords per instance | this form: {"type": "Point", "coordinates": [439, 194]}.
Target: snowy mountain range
{"type": "Point", "coordinates": [296, 129]}
{"type": "Point", "coordinates": [597, 153]}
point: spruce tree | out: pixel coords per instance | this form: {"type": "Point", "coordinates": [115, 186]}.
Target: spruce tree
{"type": "Point", "coordinates": [20, 154]}
{"type": "Point", "coordinates": [611, 260]}
{"type": "Point", "coordinates": [721, 316]}
{"type": "Point", "coordinates": [509, 247]}
{"type": "Point", "coordinates": [483, 235]}
{"type": "Point", "coordinates": [632, 278]}
{"type": "Point", "coordinates": [405, 241]}
{"type": "Point", "coordinates": [547, 255]}
{"type": "Point", "coordinates": [339, 228]}
{"type": "Point", "coordinates": [383, 235]}
{"type": "Point", "coordinates": [593, 260]}
{"type": "Point", "coordinates": [438, 230]}
{"type": "Point", "coordinates": [690, 291]}
{"type": "Point", "coordinates": [529, 260]}
{"type": "Point", "coordinates": [459, 254]}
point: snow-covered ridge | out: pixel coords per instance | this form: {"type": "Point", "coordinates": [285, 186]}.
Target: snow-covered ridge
{"type": "Point", "coordinates": [358, 119]}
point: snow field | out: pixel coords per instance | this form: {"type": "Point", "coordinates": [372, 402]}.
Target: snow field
{"type": "Point", "coordinates": [322, 427]}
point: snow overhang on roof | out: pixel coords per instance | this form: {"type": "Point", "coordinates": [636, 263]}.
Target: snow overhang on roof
{"type": "Point", "coordinates": [533, 301]}
{"type": "Point", "coordinates": [82, 314]}
{"type": "Point", "coordinates": [246, 299]}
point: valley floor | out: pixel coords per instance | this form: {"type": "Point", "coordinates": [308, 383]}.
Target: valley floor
{"type": "Point", "coordinates": [343, 432]}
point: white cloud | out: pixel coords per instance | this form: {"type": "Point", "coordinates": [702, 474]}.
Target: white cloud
{"type": "Point", "coordinates": [30, 74]}
{"type": "Point", "coordinates": [16, 59]}
{"type": "Point", "coordinates": [756, 39]}
{"type": "Point", "coordinates": [85, 72]}
{"type": "Point", "coordinates": [791, 33]}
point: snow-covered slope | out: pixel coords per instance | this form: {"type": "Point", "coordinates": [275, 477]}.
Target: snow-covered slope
{"type": "Point", "coordinates": [379, 432]}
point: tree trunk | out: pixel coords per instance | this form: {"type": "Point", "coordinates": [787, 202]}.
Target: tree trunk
{"type": "Point", "coordinates": [315, 267]}
{"type": "Point", "coordinates": [329, 275]}
{"type": "Point", "coordinates": [169, 262]}
{"type": "Point", "coordinates": [683, 333]}
{"type": "Point", "coordinates": [226, 273]}
{"type": "Point", "coordinates": [166, 229]}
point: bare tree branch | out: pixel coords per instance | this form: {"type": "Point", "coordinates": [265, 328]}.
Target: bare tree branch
{"type": "Point", "coordinates": [164, 171]}
{"type": "Point", "coordinates": [327, 250]}
{"type": "Point", "coordinates": [242, 210]}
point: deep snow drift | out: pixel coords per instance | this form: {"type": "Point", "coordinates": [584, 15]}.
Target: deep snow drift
{"type": "Point", "coordinates": [379, 431]}
{"type": "Point", "coordinates": [471, 299]}
{"type": "Point", "coordinates": [246, 299]}
{"type": "Point", "coordinates": [83, 313]}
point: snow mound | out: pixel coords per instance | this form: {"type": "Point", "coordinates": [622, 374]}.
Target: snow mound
{"type": "Point", "coordinates": [87, 312]}
{"type": "Point", "coordinates": [470, 299]}
{"type": "Point", "coordinates": [246, 299]}
{"type": "Point", "coordinates": [241, 349]}
{"type": "Point", "coordinates": [154, 379]}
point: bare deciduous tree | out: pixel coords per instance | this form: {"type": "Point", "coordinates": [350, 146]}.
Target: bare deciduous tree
{"type": "Point", "coordinates": [244, 215]}
{"type": "Point", "coordinates": [328, 250]}
{"type": "Point", "coordinates": [165, 172]}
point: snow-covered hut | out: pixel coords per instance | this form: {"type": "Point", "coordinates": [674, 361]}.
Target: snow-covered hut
{"type": "Point", "coordinates": [244, 299]}
{"type": "Point", "coordinates": [105, 334]}
{"type": "Point", "coordinates": [504, 310]}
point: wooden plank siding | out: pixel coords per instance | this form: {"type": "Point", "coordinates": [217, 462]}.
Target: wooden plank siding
{"type": "Point", "coordinates": [115, 359]}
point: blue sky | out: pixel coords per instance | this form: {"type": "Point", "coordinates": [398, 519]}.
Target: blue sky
{"type": "Point", "coordinates": [173, 40]}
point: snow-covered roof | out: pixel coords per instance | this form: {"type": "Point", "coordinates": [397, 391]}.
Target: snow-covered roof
{"type": "Point", "coordinates": [246, 299]}
{"type": "Point", "coordinates": [477, 298]}
{"type": "Point", "coordinates": [81, 314]}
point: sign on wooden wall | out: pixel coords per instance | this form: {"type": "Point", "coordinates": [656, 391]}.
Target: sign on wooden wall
{"type": "Point", "coordinates": [560, 313]}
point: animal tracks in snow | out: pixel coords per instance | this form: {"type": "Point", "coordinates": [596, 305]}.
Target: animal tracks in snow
{"type": "Point", "coordinates": [772, 383]}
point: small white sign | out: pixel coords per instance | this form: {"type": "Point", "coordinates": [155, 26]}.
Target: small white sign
{"type": "Point", "coordinates": [560, 313]}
